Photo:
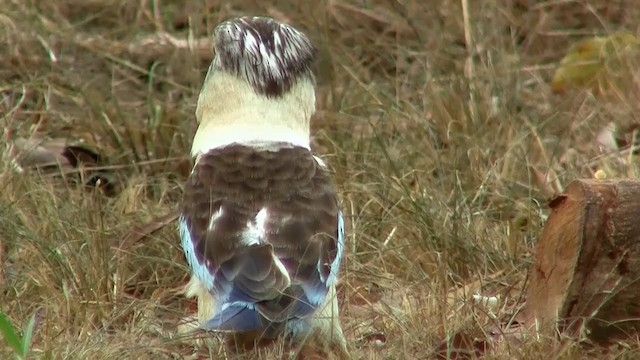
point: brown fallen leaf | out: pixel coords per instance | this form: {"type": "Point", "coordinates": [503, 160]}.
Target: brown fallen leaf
{"type": "Point", "coordinates": [606, 138]}
{"type": "Point", "coordinates": [50, 154]}
{"type": "Point", "coordinates": [56, 157]}
{"type": "Point", "coordinates": [598, 63]}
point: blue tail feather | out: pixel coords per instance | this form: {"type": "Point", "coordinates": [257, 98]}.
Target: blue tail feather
{"type": "Point", "coordinates": [237, 318]}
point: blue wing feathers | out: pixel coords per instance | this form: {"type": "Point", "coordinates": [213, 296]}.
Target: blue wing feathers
{"type": "Point", "coordinates": [238, 307]}
{"type": "Point", "coordinates": [200, 270]}
{"type": "Point", "coordinates": [236, 317]}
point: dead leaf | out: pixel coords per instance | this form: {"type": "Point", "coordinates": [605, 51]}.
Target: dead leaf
{"type": "Point", "coordinates": [606, 138]}
{"type": "Point", "coordinates": [40, 154]}
{"type": "Point", "coordinates": [598, 63]}
{"type": "Point", "coordinates": [57, 157]}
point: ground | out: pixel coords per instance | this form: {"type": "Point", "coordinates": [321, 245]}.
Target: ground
{"type": "Point", "coordinates": [436, 118]}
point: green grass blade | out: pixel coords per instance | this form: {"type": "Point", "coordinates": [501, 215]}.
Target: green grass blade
{"type": "Point", "coordinates": [26, 337]}
{"type": "Point", "coordinates": [9, 333]}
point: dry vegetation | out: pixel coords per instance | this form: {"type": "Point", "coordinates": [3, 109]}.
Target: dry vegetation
{"type": "Point", "coordinates": [436, 117]}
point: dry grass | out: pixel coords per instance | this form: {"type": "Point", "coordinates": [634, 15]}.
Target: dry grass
{"type": "Point", "coordinates": [436, 117]}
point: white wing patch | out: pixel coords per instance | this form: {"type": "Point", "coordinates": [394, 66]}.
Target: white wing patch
{"type": "Point", "coordinates": [320, 161]}
{"type": "Point", "coordinates": [282, 269]}
{"type": "Point", "coordinates": [261, 220]}
{"type": "Point", "coordinates": [315, 296]}
{"type": "Point", "coordinates": [256, 230]}
{"type": "Point", "coordinates": [335, 266]}
{"type": "Point", "coordinates": [214, 218]}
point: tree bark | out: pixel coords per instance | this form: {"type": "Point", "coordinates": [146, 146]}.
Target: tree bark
{"type": "Point", "coordinates": [586, 277]}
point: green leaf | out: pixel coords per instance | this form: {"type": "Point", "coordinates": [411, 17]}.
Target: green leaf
{"type": "Point", "coordinates": [9, 333]}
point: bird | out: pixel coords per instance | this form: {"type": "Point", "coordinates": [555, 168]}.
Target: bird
{"type": "Point", "coordinates": [260, 223]}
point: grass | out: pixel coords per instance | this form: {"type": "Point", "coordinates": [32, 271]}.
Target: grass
{"type": "Point", "coordinates": [436, 118]}
{"type": "Point", "coordinates": [19, 344]}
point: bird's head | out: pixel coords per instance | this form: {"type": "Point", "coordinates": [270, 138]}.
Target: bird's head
{"type": "Point", "coordinates": [259, 87]}
{"type": "Point", "coordinates": [270, 56]}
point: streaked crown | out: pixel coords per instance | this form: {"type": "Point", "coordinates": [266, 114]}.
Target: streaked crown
{"type": "Point", "coordinates": [269, 55]}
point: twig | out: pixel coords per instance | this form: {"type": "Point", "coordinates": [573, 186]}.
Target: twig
{"type": "Point", "coordinates": [142, 231]}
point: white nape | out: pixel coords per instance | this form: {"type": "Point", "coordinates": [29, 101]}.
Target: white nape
{"type": "Point", "coordinates": [230, 111]}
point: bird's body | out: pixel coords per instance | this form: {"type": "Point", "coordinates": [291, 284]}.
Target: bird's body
{"type": "Point", "coordinates": [260, 223]}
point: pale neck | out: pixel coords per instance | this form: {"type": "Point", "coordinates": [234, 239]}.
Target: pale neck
{"type": "Point", "coordinates": [213, 136]}
{"type": "Point", "coordinates": [229, 112]}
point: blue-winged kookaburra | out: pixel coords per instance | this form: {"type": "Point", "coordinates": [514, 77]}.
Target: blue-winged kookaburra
{"type": "Point", "coordinates": [260, 224]}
